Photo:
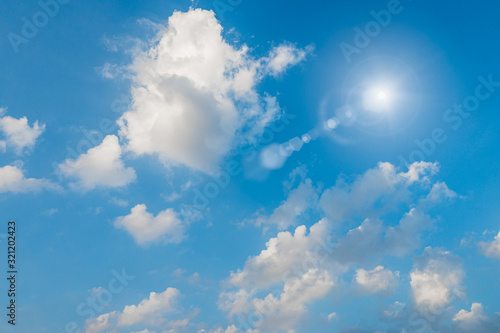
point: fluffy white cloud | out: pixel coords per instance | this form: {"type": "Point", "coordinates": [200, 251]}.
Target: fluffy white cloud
{"type": "Point", "coordinates": [101, 166]}
{"type": "Point", "coordinates": [475, 314]}
{"type": "Point", "coordinates": [383, 186]}
{"type": "Point", "coordinates": [492, 249]}
{"type": "Point", "coordinates": [12, 179]}
{"type": "Point", "coordinates": [284, 56]}
{"type": "Point", "coordinates": [372, 238]}
{"type": "Point", "coordinates": [282, 309]}
{"type": "Point", "coordinates": [436, 280]}
{"type": "Point", "coordinates": [377, 280]}
{"type": "Point", "coordinates": [18, 133]}
{"type": "Point", "coordinates": [194, 94]}
{"type": "Point", "coordinates": [166, 227]}
{"type": "Point", "coordinates": [323, 255]}
{"type": "Point", "coordinates": [150, 311]}
{"type": "Point", "coordinates": [274, 264]}
{"type": "Point", "coordinates": [284, 312]}
{"type": "Point", "coordinates": [476, 320]}
{"type": "Point", "coordinates": [295, 260]}
{"type": "Point", "coordinates": [297, 202]}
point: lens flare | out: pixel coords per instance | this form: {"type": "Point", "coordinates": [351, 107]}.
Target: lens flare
{"type": "Point", "coordinates": [378, 99]}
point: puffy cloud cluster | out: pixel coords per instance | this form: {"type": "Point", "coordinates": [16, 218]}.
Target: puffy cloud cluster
{"type": "Point", "coordinates": [294, 260]}
{"type": "Point", "coordinates": [166, 227]}
{"type": "Point", "coordinates": [298, 201]}
{"type": "Point", "coordinates": [476, 320]}
{"type": "Point", "coordinates": [18, 133]}
{"type": "Point", "coordinates": [12, 180]}
{"type": "Point", "coordinates": [295, 269]}
{"type": "Point", "coordinates": [492, 248]}
{"type": "Point", "coordinates": [194, 95]}
{"type": "Point", "coordinates": [100, 167]}
{"type": "Point", "coordinates": [378, 280]}
{"type": "Point", "coordinates": [150, 312]}
{"type": "Point", "coordinates": [375, 192]}
{"type": "Point", "coordinates": [436, 280]}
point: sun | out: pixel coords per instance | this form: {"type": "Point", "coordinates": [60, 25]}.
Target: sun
{"type": "Point", "coordinates": [378, 98]}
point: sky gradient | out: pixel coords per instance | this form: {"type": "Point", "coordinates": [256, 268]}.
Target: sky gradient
{"type": "Point", "coordinates": [248, 166]}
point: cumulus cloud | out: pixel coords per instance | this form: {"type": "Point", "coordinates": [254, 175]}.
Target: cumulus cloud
{"type": "Point", "coordinates": [375, 192]}
{"type": "Point", "coordinates": [299, 199]}
{"type": "Point", "coordinates": [378, 280]}
{"type": "Point", "coordinates": [326, 255]}
{"type": "Point", "coordinates": [372, 238]}
{"type": "Point", "coordinates": [476, 320]}
{"type": "Point", "coordinates": [12, 179]}
{"type": "Point", "coordinates": [436, 280]}
{"type": "Point", "coordinates": [290, 258]}
{"type": "Point", "coordinates": [194, 95]}
{"type": "Point", "coordinates": [492, 248]}
{"type": "Point", "coordinates": [281, 254]}
{"type": "Point", "coordinates": [284, 56]}
{"type": "Point", "coordinates": [101, 166]}
{"type": "Point", "coordinates": [18, 133]}
{"type": "Point", "coordinates": [150, 312]}
{"type": "Point", "coordinates": [166, 227]}
{"type": "Point", "coordinates": [282, 309]}
{"type": "Point", "coordinates": [284, 312]}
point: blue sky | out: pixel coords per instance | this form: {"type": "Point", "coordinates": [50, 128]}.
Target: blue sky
{"type": "Point", "coordinates": [246, 166]}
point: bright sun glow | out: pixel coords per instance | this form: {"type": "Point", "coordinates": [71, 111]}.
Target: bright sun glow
{"type": "Point", "coordinates": [378, 99]}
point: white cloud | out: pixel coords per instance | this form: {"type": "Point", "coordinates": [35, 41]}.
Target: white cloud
{"type": "Point", "coordinates": [284, 56]}
{"type": "Point", "coordinates": [281, 254]}
{"type": "Point", "coordinates": [372, 238]}
{"type": "Point", "coordinates": [285, 311]}
{"type": "Point", "coordinates": [109, 71]}
{"type": "Point", "coordinates": [12, 180]}
{"type": "Point", "coordinates": [476, 320]}
{"type": "Point", "coordinates": [436, 280]}
{"type": "Point", "coordinates": [100, 323]}
{"type": "Point", "coordinates": [194, 94]}
{"type": "Point", "coordinates": [150, 311]}
{"type": "Point", "coordinates": [295, 260]}
{"type": "Point", "coordinates": [377, 280]}
{"type": "Point", "coordinates": [492, 249]}
{"type": "Point", "coordinates": [282, 309]}
{"type": "Point", "coordinates": [381, 185]}
{"type": "Point", "coordinates": [332, 315]}
{"type": "Point", "coordinates": [297, 202]}
{"type": "Point", "coordinates": [476, 314]}
{"type": "Point", "coordinates": [166, 227]}
{"type": "Point", "coordinates": [229, 329]}
{"type": "Point", "coordinates": [101, 166]}
{"type": "Point", "coordinates": [439, 192]}
{"type": "Point", "coordinates": [290, 258]}
{"type": "Point", "coordinates": [18, 133]}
